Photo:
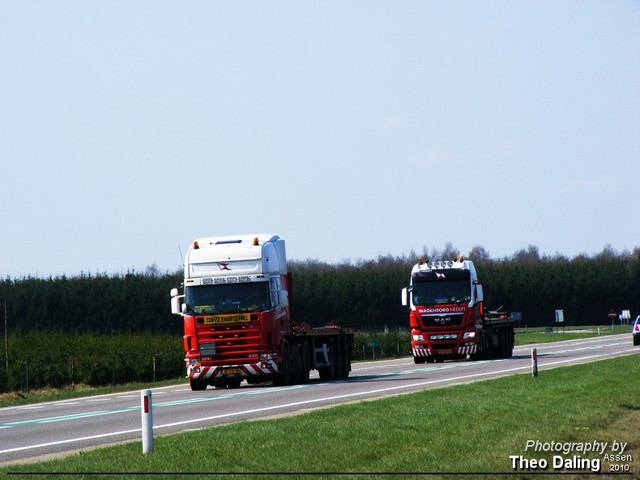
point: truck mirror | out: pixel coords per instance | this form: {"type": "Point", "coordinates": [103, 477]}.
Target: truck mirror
{"type": "Point", "coordinates": [174, 292]}
{"type": "Point", "coordinates": [479, 293]}
{"type": "Point", "coordinates": [405, 297]}
{"type": "Point", "coordinates": [175, 305]}
{"type": "Point", "coordinates": [284, 298]}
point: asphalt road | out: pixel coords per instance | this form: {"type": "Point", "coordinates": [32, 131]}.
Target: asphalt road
{"type": "Point", "coordinates": [41, 430]}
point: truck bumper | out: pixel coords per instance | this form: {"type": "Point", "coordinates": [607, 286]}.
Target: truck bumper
{"type": "Point", "coordinates": [247, 370]}
{"type": "Point", "coordinates": [424, 350]}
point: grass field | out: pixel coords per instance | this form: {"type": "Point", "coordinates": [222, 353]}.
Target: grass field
{"type": "Point", "coordinates": [526, 336]}
{"type": "Point", "coordinates": [455, 431]}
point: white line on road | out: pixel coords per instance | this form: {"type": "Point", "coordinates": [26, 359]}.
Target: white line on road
{"type": "Point", "coordinates": [459, 379]}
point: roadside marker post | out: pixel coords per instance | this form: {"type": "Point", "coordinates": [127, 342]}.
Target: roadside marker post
{"type": "Point", "coordinates": [146, 408]}
{"type": "Point", "coordinates": [534, 362]}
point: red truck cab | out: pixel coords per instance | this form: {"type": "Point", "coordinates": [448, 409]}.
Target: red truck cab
{"type": "Point", "coordinates": [237, 320]}
{"type": "Point", "coordinates": [446, 308]}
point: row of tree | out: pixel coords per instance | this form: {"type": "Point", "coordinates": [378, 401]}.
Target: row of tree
{"type": "Point", "coordinates": [364, 295]}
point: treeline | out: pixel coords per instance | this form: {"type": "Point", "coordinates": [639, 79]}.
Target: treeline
{"type": "Point", "coordinates": [364, 295]}
{"type": "Point", "coordinates": [99, 304]}
{"type": "Point", "coordinates": [59, 360]}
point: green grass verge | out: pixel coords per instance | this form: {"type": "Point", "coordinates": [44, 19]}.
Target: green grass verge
{"type": "Point", "coordinates": [527, 336]}
{"type": "Point", "coordinates": [467, 428]}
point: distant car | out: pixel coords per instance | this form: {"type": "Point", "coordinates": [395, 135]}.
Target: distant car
{"type": "Point", "coordinates": [636, 331]}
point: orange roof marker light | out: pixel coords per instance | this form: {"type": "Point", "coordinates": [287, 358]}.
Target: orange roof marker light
{"type": "Point", "coordinates": [195, 245]}
{"type": "Point", "coordinates": [461, 258]}
{"type": "Point", "coordinates": [256, 242]}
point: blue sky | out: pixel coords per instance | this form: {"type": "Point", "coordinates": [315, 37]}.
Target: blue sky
{"type": "Point", "coordinates": [351, 129]}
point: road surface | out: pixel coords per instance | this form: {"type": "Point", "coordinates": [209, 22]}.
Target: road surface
{"type": "Point", "coordinates": [37, 431]}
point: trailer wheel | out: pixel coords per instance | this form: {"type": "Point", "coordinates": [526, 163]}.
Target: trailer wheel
{"type": "Point", "coordinates": [197, 385]}
{"type": "Point", "coordinates": [337, 358]}
{"type": "Point", "coordinates": [306, 363]}
{"type": "Point", "coordinates": [488, 346]}
{"type": "Point", "coordinates": [510, 342]}
{"type": "Point", "coordinates": [334, 358]}
{"type": "Point", "coordinates": [346, 359]}
{"type": "Point", "coordinates": [505, 338]}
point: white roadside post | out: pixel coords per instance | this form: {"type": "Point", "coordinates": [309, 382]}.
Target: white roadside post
{"type": "Point", "coordinates": [147, 421]}
{"type": "Point", "coordinates": [534, 362]}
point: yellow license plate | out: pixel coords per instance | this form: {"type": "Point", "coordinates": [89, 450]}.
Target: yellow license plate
{"type": "Point", "coordinates": [231, 371]}
{"type": "Point", "coordinates": [445, 351]}
{"type": "Point", "coordinates": [235, 318]}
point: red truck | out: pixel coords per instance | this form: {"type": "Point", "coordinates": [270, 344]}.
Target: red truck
{"type": "Point", "coordinates": [237, 318]}
{"type": "Point", "coordinates": [447, 315]}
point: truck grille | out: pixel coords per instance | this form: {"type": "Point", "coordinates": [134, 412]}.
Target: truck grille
{"type": "Point", "coordinates": [444, 320]}
{"type": "Point", "coordinates": [234, 343]}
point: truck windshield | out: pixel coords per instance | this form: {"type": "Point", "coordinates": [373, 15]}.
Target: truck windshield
{"type": "Point", "coordinates": [228, 298]}
{"type": "Point", "coordinates": [436, 292]}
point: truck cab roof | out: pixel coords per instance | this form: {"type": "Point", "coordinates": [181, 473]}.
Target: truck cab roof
{"type": "Point", "coordinates": [234, 255]}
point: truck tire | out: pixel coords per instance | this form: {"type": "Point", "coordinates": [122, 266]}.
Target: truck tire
{"type": "Point", "coordinates": [305, 358]}
{"type": "Point", "coordinates": [511, 339]}
{"type": "Point", "coordinates": [284, 376]}
{"type": "Point", "coordinates": [506, 343]}
{"type": "Point", "coordinates": [219, 383]}
{"type": "Point", "coordinates": [296, 364]}
{"type": "Point", "coordinates": [346, 358]}
{"type": "Point", "coordinates": [334, 358]}
{"type": "Point", "coordinates": [197, 385]}
{"type": "Point", "coordinates": [234, 382]}
{"type": "Point", "coordinates": [337, 371]}
{"type": "Point", "coordinates": [486, 348]}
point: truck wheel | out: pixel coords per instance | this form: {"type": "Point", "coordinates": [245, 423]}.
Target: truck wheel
{"type": "Point", "coordinates": [284, 377]}
{"type": "Point", "coordinates": [197, 385]}
{"type": "Point", "coordinates": [502, 345]}
{"type": "Point", "coordinates": [305, 360]}
{"type": "Point", "coordinates": [296, 364]}
{"type": "Point", "coordinates": [419, 360]}
{"type": "Point", "coordinates": [507, 344]}
{"type": "Point", "coordinates": [492, 350]}
{"type": "Point", "coordinates": [220, 383]}
{"type": "Point", "coordinates": [333, 358]}
{"type": "Point", "coordinates": [234, 382]}
{"type": "Point", "coordinates": [339, 371]}
{"type": "Point", "coordinates": [510, 343]}
{"type": "Point", "coordinates": [346, 359]}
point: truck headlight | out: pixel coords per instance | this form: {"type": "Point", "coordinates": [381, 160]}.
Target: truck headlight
{"type": "Point", "coordinates": [418, 338]}
{"type": "Point", "coordinates": [469, 335]}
